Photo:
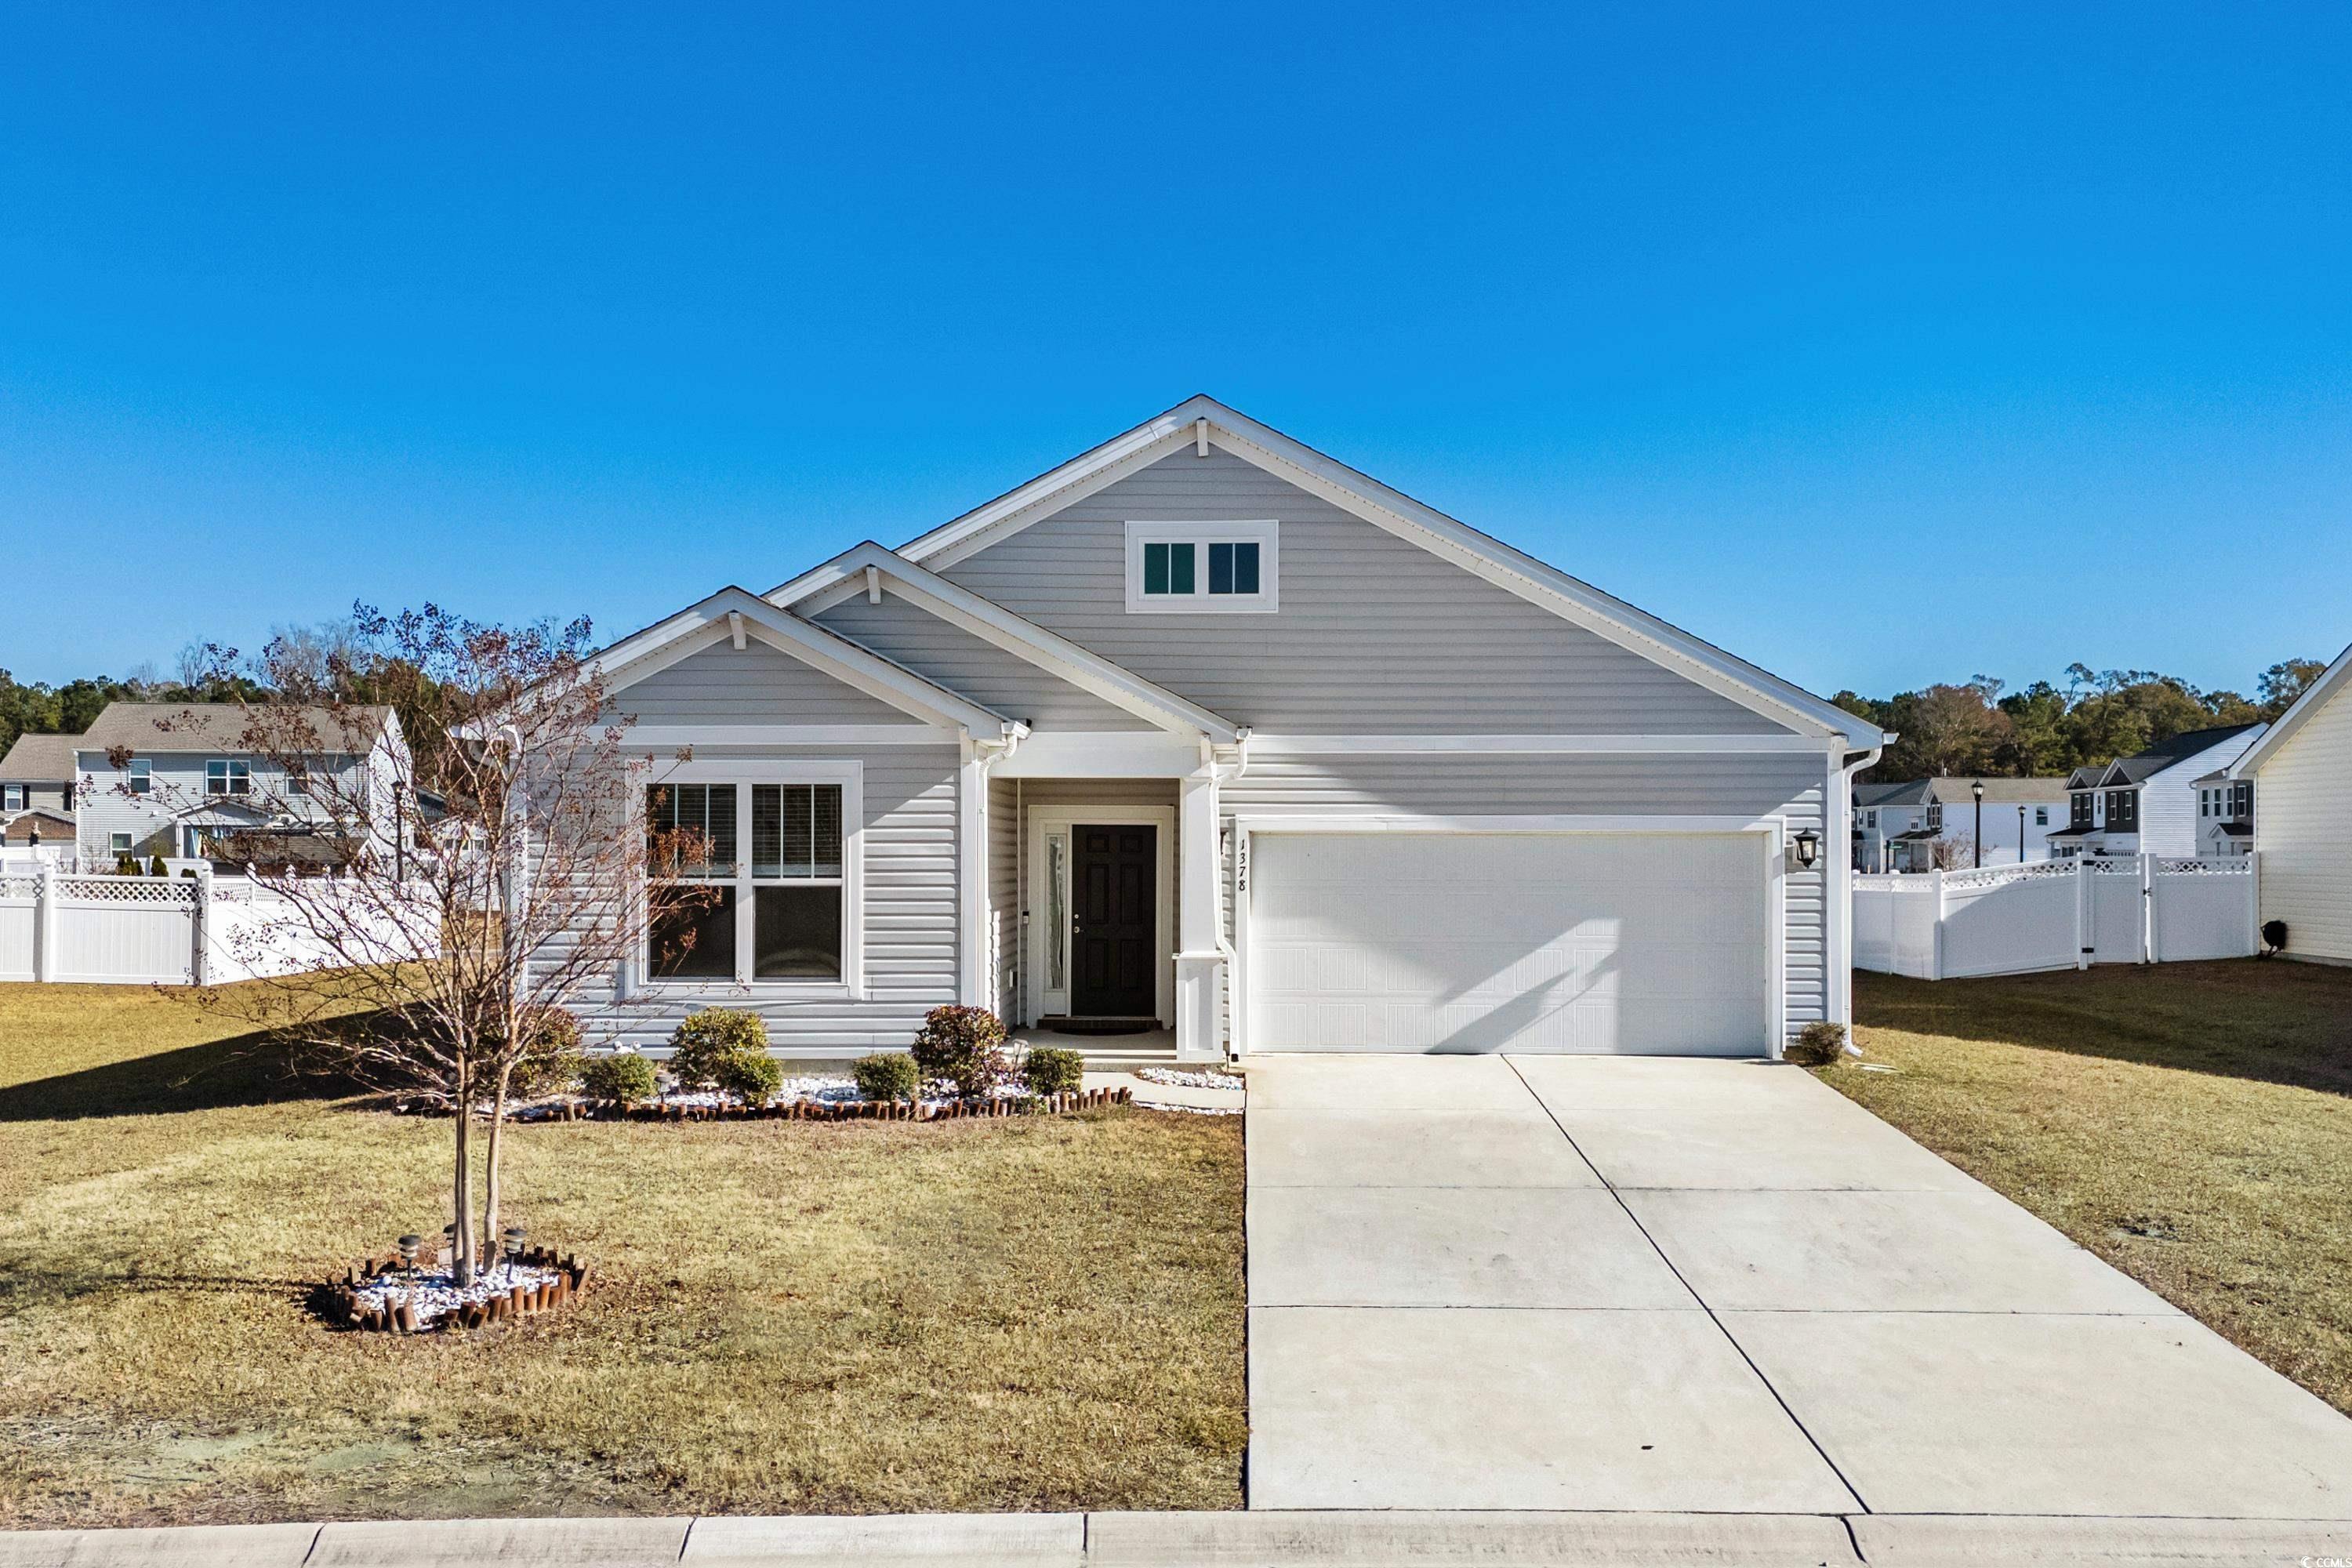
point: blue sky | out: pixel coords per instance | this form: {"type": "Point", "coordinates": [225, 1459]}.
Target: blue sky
{"type": "Point", "coordinates": [1879, 346]}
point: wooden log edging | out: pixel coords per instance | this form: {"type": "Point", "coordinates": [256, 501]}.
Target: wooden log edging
{"type": "Point", "coordinates": [1062, 1104]}
{"type": "Point", "coordinates": [337, 1300]}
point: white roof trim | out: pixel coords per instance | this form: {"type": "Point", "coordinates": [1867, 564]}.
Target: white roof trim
{"type": "Point", "coordinates": [2316, 696]}
{"type": "Point", "coordinates": [1513, 570]}
{"type": "Point", "coordinates": [847, 575]}
{"type": "Point", "coordinates": [712, 621]}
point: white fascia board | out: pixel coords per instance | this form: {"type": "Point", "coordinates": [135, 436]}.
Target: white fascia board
{"type": "Point", "coordinates": [1517, 572]}
{"type": "Point", "coordinates": [1102, 754]}
{"type": "Point", "coordinates": [845, 577]}
{"type": "Point", "coordinates": [2318, 695]}
{"type": "Point", "coordinates": [676, 736]}
{"type": "Point", "coordinates": [691, 630]}
{"type": "Point", "coordinates": [1274, 746]}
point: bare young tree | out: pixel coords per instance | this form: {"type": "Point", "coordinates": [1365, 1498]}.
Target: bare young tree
{"type": "Point", "coordinates": [441, 814]}
{"type": "Point", "coordinates": [1954, 854]}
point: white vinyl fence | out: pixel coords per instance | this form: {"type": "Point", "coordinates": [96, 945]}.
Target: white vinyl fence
{"type": "Point", "coordinates": [144, 931]}
{"type": "Point", "coordinates": [2056, 914]}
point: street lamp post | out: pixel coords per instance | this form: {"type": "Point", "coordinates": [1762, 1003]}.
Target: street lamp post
{"type": "Point", "coordinates": [1977, 790]}
{"type": "Point", "coordinates": [2020, 836]}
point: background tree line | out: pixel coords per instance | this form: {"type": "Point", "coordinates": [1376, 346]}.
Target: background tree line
{"type": "Point", "coordinates": [348, 661]}
{"type": "Point", "coordinates": [1981, 729]}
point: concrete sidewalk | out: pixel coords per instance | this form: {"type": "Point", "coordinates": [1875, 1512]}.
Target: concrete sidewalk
{"type": "Point", "coordinates": [1210, 1540]}
{"type": "Point", "coordinates": [1681, 1286]}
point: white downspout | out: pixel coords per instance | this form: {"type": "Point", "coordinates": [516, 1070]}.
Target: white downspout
{"type": "Point", "coordinates": [1841, 894]}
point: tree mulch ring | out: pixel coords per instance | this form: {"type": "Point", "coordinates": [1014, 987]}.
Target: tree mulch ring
{"type": "Point", "coordinates": [384, 1295]}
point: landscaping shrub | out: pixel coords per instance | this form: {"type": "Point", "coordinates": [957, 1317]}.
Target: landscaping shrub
{"type": "Point", "coordinates": [752, 1076]}
{"type": "Point", "coordinates": [704, 1040]}
{"type": "Point", "coordinates": [155, 867]}
{"type": "Point", "coordinates": [887, 1076]}
{"type": "Point", "coordinates": [1051, 1070]}
{"type": "Point", "coordinates": [963, 1044]}
{"type": "Point", "coordinates": [553, 1061]}
{"type": "Point", "coordinates": [1816, 1045]}
{"type": "Point", "coordinates": [623, 1077]}
{"type": "Point", "coordinates": [126, 865]}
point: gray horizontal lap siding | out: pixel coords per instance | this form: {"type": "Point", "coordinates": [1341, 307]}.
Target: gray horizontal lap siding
{"type": "Point", "coordinates": [754, 685]}
{"type": "Point", "coordinates": [177, 787]}
{"type": "Point", "coordinates": [1005, 895]}
{"type": "Point", "coordinates": [911, 924]}
{"type": "Point", "coordinates": [979, 670]}
{"type": "Point", "coordinates": [1753, 786]}
{"type": "Point", "coordinates": [1374, 635]}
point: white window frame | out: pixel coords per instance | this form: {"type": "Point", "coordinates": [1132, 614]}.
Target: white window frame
{"type": "Point", "coordinates": [1264, 532]}
{"type": "Point", "coordinates": [118, 843]}
{"type": "Point", "coordinates": [12, 797]}
{"type": "Point", "coordinates": [230, 774]}
{"type": "Point", "coordinates": [139, 775]}
{"type": "Point", "coordinates": [744, 772]}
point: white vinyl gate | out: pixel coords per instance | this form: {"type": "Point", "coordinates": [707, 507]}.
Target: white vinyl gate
{"type": "Point", "coordinates": [2057, 914]}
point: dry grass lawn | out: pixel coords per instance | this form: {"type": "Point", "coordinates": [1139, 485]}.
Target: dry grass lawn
{"type": "Point", "coordinates": [2192, 1124]}
{"type": "Point", "coordinates": [1030, 1314]}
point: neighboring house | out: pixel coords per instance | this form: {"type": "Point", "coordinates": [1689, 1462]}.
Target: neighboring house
{"type": "Point", "coordinates": [178, 779]}
{"type": "Point", "coordinates": [2148, 804]}
{"type": "Point", "coordinates": [37, 774]}
{"type": "Point", "coordinates": [1206, 731]}
{"type": "Point", "coordinates": [2225, 814]}
{"type": "Point", "coordinates": [1897, 826]}
{"type": "Point", "coordinates": [2303, 767]}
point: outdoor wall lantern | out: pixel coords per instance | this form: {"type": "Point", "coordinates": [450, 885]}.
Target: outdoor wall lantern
{"type": "Point", "coordinates": [1808, 847]}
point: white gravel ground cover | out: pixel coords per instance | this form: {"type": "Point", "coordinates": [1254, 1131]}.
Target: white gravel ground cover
{"type": "Point", "coordinates": [1184, 1077]}
{"type": "Point", "coordinates": [436, 1294]}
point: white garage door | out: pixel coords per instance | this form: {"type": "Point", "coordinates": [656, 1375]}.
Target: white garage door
{"type": "Point", "coordinates": [1474, 941]}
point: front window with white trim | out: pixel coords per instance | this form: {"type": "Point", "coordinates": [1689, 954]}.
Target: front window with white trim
{"type": "Point", "coordinates": [228, 775]}
{"type": "Point", "coordinates": [1194, 568]}
{"type": "Point", "coordinates": [780, 914]}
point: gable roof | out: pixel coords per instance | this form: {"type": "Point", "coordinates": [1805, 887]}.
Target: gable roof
{"type": "Point", "coordinates": [1204, 421]}
{"type": "Point", "coordinates": [39, 759]}
{"type": "Point", "coordinates": [2315, 695]}
{"type": "Point", "coordinates": [738, 612]}
{"type": "Point", "coordinates": [20, 828]}
{"type": "Point", "coordinates": [218, 727]}
{"type": "Point", "coordinates": [1056, 654]}
{"type": "Point", "coordinates": [2142, 767]}
{"type": "Point", "coordinates": [1954, 790]}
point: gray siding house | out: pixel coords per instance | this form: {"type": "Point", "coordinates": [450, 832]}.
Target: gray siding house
{"type": "Point", "coordinates": [1207, 735]}
{"type": "Point", "coordinates": [172, 778]}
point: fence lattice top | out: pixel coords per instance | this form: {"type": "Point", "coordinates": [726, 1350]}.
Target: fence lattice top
{"type": "Point", "coordinates": [127, 890]}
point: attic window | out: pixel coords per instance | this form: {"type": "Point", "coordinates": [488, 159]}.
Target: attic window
{"type": "Point", "coordinates": [1200, 568]}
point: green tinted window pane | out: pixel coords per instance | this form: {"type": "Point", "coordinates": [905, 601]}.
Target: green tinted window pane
{"type": "Point", "coordinates": [1179, 569]}
{"type": "Point", "coordinates": [1245, 568]}
{"type": "Point", "coordinates": [1220, 569]}
{"type": "Point", "coordinates": [1155, 569]}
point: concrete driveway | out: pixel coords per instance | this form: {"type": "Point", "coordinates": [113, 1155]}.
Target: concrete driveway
{"type": "Point", "coordinates": [1679, 1285]}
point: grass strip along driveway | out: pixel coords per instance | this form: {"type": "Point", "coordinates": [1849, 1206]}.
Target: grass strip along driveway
{"type": "Point", "coordinates": [1040, 1313]}
{"type": "Point", "coordinates": [2190, 1123]}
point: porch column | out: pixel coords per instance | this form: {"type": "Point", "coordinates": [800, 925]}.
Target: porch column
{"type": "Point", "coordinates": [1200, 962]}
{"type": "Point", "coordinates": [971, 876]}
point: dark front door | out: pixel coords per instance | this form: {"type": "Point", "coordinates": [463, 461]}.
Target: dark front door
{"type": "Point", "coordinates": [1113, 901]}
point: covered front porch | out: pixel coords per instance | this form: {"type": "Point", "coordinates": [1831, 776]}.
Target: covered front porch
{"type": "Point", "coordinates": [1101, 891]}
